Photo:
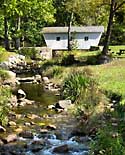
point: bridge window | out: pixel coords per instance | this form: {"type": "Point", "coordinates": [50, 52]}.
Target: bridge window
{"type": "Point", "coordinates": [86, 38]}
{"type": "Point", "coordinates": [58, 38]}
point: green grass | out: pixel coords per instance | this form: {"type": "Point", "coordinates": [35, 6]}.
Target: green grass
{"type": "Point", "coordinates": [111, 77]}
{"type": "Point", "coordinates": [117, 48]}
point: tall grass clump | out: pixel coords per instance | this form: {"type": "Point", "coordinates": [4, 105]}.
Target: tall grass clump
{"type": "Point", "coordinates": [81, 88]}
{"type": "Point", "coordinates": [54, 71]}
{"type": "Point", "coordinates": [4, 107]}
{"type": "Point", "coordinates": [75, 83]}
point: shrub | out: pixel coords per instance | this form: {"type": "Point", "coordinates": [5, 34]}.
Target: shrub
{"type": "Point", "coordinates": [29, 52]}
{"type": "Point", "coordinates": [68, 60]}
{"type": "Point", "coordinates": [74, 84]}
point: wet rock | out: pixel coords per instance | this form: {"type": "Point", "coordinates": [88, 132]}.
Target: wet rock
{"type": "Point", "coordinates": [19, 130]}
{"type": "Point", "coordinates": [10, 138]}
{"type": "Point", "coordinates": [59, 110]}
{"type": "Point", "coordinates": [1, 142]}
{"type": "Point", "coordinates": [46, 80]}
{"type": "Point", "coordinates": [29, 102]}
{"type": "Point", "coordinates": [27, 124]}
{"type": "Point", "coordinates": [78, 132]}
{"type": "Point", "coordinates": [32, 116]}
{"type": "Point", "coordinates": [63, 104]}
{"type": "Point", "coordinates": [51, 107]}
{"type": "Point", "coordinates": [55, 142]}
{"type": "Point", "coordinates": [26, 134]}
{"type": "Point", "coordinates": [27, 79]}
{"type": "Point", "coordinates": [81, 139]}
{"type": "Point", "coordinates": [51, 127]}
{"type": "Point", "coordinates": [12, 149]}
{"type": "Point", "coordinates": [4, 65]}
{"type": "Point", "coordinates": [18, 116]}
{"type": "Point", "coordinates": [21, 94]}
{"type": "Point", "coordinates": [36, 146]}
{"type": "Point", "coordinates": [44, 131]}
{"type": "Point", "coordinates": [38, 78]}
{"type": "Point", "coordinates": [61, 149]}
{"type": "Point", "coordinates": [22, 102]}
{"type": "Point", "coordinates": [2, 129]}
{"type": "Point", "coordinates": [12, 123]}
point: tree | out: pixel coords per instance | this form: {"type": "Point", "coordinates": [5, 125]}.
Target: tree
{"type": "Point", "coordinates": [4, 13]}
{"type": "Point", "coordinates": [114, 6]}
{"type": "Point", "coordinates": [19, 15]}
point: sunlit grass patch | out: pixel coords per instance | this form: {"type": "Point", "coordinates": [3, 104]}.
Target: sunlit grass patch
{"type": "Point", "coordinates": [111, 77]}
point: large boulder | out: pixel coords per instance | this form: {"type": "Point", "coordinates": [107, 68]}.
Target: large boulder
{"type": "Point", "coordinates": [46, 80]}
{"type": "Point", "coordinates": [63, 104]}
{"type": "Point", "coordinates": [2, 129]}
{"type": "Point", "coordinates": [10, 138]}
{"type": "Point", "coordinates": [26, 134]}
{"type": "Point", "coordinates": [38, 78]}
{"type": "Point", "coordinates": [37, 145]}
{"type": "Point", "coordinates": [21, 94]}
{"type": "Point", "coordinates": [61, 149]}
{"type": "Point", "coordinates": [4, 65]}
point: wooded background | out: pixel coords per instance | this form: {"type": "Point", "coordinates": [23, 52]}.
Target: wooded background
{"type": "Point", "coordinates": [22, 20]}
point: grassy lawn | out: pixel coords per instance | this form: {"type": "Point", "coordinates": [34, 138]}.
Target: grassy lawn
{"type": "Point", "coordinates": [111, 77]}
{"type": "Point", "coordinates": [117, 48]}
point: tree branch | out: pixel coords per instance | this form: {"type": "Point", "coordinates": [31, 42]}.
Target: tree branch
{"type": "Point", "coordinates": [120, 5]}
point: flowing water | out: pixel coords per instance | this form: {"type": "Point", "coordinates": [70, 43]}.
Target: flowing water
{"type": "Point", "coordinates": [49, 128]}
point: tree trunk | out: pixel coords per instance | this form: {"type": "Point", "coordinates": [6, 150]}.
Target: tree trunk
{"type": "Point", "coordinates": [109, 29]}
{"type": "Point", "coordinates": [69, 33]}
{"type": "Point", "coordinates": [6, 38]}
{"type": "Point", "coordinates": [17, 40]}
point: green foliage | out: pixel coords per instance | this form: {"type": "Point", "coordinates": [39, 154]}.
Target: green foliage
{"type": "Point", "coordinates": [4, 108]}
{"type": "Point", "coordinates": [33, 15]}
{"type": "Point", "coordinates": [55, 71]}
{"type": "Point", "coordinates": [2, 54]}
{"type": "Point", "coordinates": [74, 84]}
{"type": "Point", "coordinates": [107, 143]}
{"type": "Point", "coordinates": [68, 60]}
{"type": "Point", "coordinates": [29, 52]}
{"type": "Point", "coordinates": [3, 74]}
{"type": "Point", "coordinates": [88, 99]}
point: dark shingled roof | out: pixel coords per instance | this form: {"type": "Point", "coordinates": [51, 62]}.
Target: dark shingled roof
{"type": "Point", "coordinates": [73, 29]}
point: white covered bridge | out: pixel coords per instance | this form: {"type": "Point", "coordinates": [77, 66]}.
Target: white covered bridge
{"type": "Point", "coordinates": [56, 38]}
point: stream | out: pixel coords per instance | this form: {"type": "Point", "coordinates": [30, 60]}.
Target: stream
{"type": "Point", "coordinates": [43, 131]}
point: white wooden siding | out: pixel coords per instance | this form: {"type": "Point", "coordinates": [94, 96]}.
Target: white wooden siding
{"type": "Point", "coordinates": [51, 42]}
